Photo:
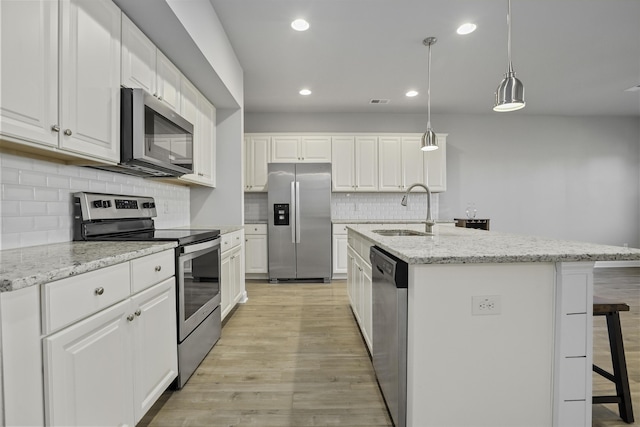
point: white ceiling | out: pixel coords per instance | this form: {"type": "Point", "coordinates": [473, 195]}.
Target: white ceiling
{"type": "Point", "coordinates": [575, 57]}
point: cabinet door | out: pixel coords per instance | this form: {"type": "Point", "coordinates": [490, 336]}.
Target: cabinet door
{"type": "Point", "coordinates": [225, 283]}
{"type": "Point", "coordinates": [256, 253]}
{"type": "Point", "coordinates": [284, 149]}
{"type": "Point", "coordinates": [236, 272]}
{"type": "Point", "coordinates": [436, 161]}
{"type": "Point", "coordinates": [351, 275]}
{"type": "Point", "coordinates": [189, 101]}
{"type": "Point", "coordinates": [367, 301]}
{"type": "Point", "coordinates": [257, 154]}
{"type": "Point", "coordinates": [207, 141]}
{"type": "Point", "coordinates": [390, 164]}
{"type": "Point", "coordinates": [90, 78]}
{"type": "Point", "coordinates": [168, 80]}
{"type": "Point", "coordinates": [29, 70]}
{"type": "Point", "coordinates": [315, 149]}
{"type": "Point", "coordinates": [138, 58]}
{"type": "Point", "coordinates": [412, 162]}
{"type": "Point", "coordinates": [88, 371]}
{"type": "Point", "coordinates": [366, 163]}
{"type": "Point", "coordinates": [155, 344]}
{"type": "Point", "coordinates": [340, 254]}
{"type": "Point", "coordinates": [343, 163]}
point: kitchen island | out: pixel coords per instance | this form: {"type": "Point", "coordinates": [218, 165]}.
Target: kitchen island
{"type": "Point", "coordinates": [528, 361]}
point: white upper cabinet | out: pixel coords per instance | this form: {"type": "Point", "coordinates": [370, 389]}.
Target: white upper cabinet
{"type": "Point", "coordinates": [257, 150]}
{"type": "Point", "coordinates": [168, 82]}
{"type": "Point", "coordinates": [198, 110]}
{"type": "Point", "coordinates": [297, 149]}
{"type": "Point", "coordinates": [138, 58]}
{"type": "Point", "coordinates": [413, 163]}
{"type": "Point", "coordinates": [436, 163]}
{"type": "Point", "coordinates": [354, 163]}
{"type": "Point", "coordinates": [390, 163]}
{"type": "Point", "coordinates": [81, 38]}
{"type": "Point", "coordinates": [29, 71]}
{"type": "Point", "coordinates": [90, 77]}
{"type": "Point", "coordinates": [146, 67]}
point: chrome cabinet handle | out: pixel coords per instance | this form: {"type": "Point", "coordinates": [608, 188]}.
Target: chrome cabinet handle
{"type": "Point", "coordinates": [130, 317]}
{"type": "Point", "coordinates": [99, 291]}
{"type": "Point", "coordinates": [158, 267]}
{"type": "Point", "coordinates": [55, 128]}
{"type": "Point", "coordinates": [68, 132]}
{"type": "Point", "coordinates": [160, 98]}
{"type": "Point", "coordinates": [138, 312]}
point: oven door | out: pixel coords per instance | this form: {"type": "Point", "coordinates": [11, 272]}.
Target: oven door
{"type": "Point", "coordinates": [198, 284]}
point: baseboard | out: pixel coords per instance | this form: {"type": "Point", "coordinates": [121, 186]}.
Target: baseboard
{"type": "Point", "coordinates": [610, 264]}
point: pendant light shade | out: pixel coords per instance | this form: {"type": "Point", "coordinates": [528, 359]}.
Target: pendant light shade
{"type": "Point", "coordinates": [429, 141]}
{"type": "Point", "coordinates": [510, 92]}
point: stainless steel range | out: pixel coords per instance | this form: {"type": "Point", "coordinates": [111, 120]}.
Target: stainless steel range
{"type": "Point", "coordinates": [111, 217]}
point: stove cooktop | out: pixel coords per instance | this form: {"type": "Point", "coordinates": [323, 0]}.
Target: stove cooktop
{"type": "Point", "coordinates": [180, 235]}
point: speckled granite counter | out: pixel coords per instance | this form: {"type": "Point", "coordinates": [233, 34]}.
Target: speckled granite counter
{"type": "Point", "coordinates": [35, 265]}
{"type": "Point", "coordinates": [453, 245]}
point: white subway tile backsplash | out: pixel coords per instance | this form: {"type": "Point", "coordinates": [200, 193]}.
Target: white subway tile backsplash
{"type": "Point", "coordinates": [36, 203]}
{"type": "Point", "coordinates": [360, 206]}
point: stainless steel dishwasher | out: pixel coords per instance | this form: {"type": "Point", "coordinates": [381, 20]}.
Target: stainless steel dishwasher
{"type": "Point", "coordinates": [389, 313]}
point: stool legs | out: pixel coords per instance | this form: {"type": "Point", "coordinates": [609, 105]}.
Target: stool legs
{"type": "Point", "coordinates": [620, 376]}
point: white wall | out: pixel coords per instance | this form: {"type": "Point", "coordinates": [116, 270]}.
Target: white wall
{"type": "Point", "coordinates": [565, 177]}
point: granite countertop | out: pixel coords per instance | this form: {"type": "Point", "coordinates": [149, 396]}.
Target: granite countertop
{"type": "Point", "coordinates": [224, 229]}
{"type": "Point", "coordinates": [454, 245]}
{"type": "Point", "coordinates": [387, 221]}
{"type": "Point", "coordinates": [36, 265]}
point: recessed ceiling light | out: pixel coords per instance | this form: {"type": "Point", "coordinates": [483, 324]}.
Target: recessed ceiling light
{"type": "Point", "coordinates": [300, 25]}
{"type": "Point", "coordinates": [466, 28]}
{"type": "Point", "coordinates": [305, 92]}
{"type": "Point", "coordinates": [412, 93]}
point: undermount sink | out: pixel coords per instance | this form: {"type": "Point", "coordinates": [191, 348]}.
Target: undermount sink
{"type": "Point", "coordinates": [401, 233]}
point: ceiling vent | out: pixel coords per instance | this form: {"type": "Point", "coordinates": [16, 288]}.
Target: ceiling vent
{"type": "Point", "coordinates": [633, 89]}
{"type": "Point", "coordinates": [378, 101]}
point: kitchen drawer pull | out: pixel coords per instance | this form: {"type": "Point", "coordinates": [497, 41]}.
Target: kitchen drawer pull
{"type": "Point", "coordinates": [158, 267]}
{"type": "Point", "coordinates": [130, 317]}
{"type": "Point", "coordinates": [138, 312]}
{"type": "Point", "coordinates": [68, 132]}
{"type": "Point", "coordinates": [55, 128]}
{"type": "Point", "coordinates": [99, 291]}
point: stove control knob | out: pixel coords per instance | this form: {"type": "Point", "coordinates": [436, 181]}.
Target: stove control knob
{"type": "Point", "coordinates": [146, 205]}
{"type": "Point", "coordinates": [152, 205]}
{"type": "Point", "coordinates": [97, 203]}
{"type": "Point", "coordinates": [106, 204]}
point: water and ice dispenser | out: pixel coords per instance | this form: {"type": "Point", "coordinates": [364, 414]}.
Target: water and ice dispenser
{"type": "Point", "coordinates": [281, 214]}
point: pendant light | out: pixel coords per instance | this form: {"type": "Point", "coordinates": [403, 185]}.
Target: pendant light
{"type": "Point", "coordinates": [429, 140]}
{"type": "Point", "coordinates": [510, 92]}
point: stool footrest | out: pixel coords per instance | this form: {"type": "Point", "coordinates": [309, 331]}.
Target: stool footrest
{"type": "Point", "coordinates": [607, 375]}
{"type": "Point", "coordinates": [606, 399]}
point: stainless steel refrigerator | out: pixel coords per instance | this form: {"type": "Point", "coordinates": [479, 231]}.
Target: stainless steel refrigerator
{"type": "Point", "coordinates": [299, 202]}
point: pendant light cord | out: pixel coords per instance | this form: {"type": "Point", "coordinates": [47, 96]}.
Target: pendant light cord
{"type": "Point", "coordinates": [429, 90]}
{"type": "Point", "coordinates": [509, 67]}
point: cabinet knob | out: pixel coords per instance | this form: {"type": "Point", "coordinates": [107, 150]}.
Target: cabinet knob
{"type": "Point", "coordinates": [55, 128]}
{"type": "Point", "coordinates": [130, 317]}
{"type": "Point", "coordinates": [138, 312]}
{"type": "Point", "coordinates": [158, 267]}
{"type": "Point", "coordinates": [68, 132]}
{"type": "Point", "coordinates": [160, 98]}
{"type": "Point", "coordinates": [99, 291]}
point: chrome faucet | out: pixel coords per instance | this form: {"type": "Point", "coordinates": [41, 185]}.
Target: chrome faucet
{"type": "Point", "coordinates": [428, 228]}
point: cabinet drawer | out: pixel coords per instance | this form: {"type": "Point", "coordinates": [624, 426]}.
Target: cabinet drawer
{"type": "Point", "coordinates": [68, 300]}
{"type": "Point", "coordinates": [152, 269]}
{"type": "Point", "coordinates": [339, 228]}
{"type": "Point", "coordinates": [255, 229]}
{"type": "Point", "coordinates": [231, 240]}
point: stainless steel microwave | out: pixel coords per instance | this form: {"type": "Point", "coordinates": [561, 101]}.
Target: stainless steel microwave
{"type": "Point", "coordinates": [155, 141]}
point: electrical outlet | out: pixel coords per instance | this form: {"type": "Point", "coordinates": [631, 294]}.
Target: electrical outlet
{"type": "Point", "coordinates": [485, 304]}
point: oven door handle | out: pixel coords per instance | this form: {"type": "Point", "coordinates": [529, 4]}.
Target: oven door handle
{"type": "Point", "coordinates": [188, 249]}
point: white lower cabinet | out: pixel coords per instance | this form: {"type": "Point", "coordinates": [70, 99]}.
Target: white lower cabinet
{"type": "Point", "coordinates": [359, 288]}
{"type": "Point", "coordinates": [339, 250]}
{"type": "Point", "coordinates": [256, 249]}
{"type": "Point", "coordinates": [110, 368]}
{"type": "Point", "coordinates": [231, 272]}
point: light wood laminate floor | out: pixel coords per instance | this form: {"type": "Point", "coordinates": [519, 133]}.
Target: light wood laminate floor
{"type": "Point", "coordinates": [293, 356]}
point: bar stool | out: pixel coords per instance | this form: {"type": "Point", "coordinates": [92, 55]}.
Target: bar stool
{"type": "Point", "coordinates": [611, 309]}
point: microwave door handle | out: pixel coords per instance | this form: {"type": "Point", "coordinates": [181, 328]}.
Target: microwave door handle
{"type": "Point", "coordinates": [291, 211]}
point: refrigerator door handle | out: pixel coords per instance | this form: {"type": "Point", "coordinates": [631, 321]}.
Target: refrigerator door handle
{"type": "Point", "coordinates": [298, 225]}
{"type": "Point", "coordinates": [294, 208]}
